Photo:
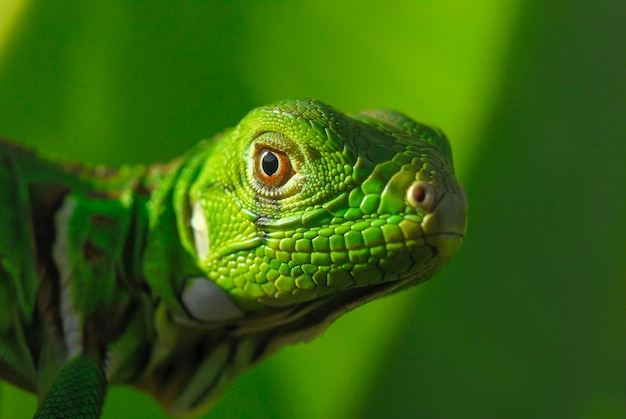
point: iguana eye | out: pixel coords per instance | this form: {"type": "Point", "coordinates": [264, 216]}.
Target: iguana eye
{"type": "Point", "coordinates": [272, 167]}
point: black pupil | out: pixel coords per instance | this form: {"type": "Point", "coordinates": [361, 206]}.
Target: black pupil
{"type": "Point", "coordinates": [270, 163]}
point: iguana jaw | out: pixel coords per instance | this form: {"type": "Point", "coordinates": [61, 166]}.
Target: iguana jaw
{"type": "Point", "coordinates": [443, 230]}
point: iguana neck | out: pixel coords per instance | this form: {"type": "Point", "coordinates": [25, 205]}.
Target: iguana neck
{"type": "Point", "coordinates": [96, 235]}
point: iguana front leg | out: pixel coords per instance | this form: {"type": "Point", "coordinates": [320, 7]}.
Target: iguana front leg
{"type": "Point", "coordinates": [78, 390]}
{"type": "Point", "coordinates": [91, 236]}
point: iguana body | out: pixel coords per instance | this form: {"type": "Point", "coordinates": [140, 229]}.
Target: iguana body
{"type": "Point", "coordinates": [174, 278]}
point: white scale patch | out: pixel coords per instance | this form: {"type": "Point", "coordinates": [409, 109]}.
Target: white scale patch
{"type": "Point", "coordinates": [202, 298]}
{"type": "Point", "coordinates": [72, 330]}
{"type": "Point", "coordinates": [206, 301]}
{"type": "Point", "coordinates": [200, 231]}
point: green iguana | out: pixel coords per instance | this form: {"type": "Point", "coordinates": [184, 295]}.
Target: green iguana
{"type": "Point", "coordinates": [174, 278]}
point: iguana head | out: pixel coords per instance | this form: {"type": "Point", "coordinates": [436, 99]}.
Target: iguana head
{"type": "Point", "coordinates": [302, 206]}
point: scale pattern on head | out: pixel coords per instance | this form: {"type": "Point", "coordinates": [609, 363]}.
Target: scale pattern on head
{"type": "Point", "coordinates": [300, 201]}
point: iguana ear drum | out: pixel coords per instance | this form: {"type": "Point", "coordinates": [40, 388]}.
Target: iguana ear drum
{"type": "Point", "coordinates": [207, 302]}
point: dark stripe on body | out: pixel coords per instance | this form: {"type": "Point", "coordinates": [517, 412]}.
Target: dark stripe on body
{"type": "Point", "coordinates": [46, 200]}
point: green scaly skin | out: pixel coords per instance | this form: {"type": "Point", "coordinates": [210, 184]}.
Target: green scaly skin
{"type": "Point", "coordinates": [175, 278]}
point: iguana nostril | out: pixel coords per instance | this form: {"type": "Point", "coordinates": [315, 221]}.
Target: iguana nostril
{"type": "Point", "coordinates": [420, 195]}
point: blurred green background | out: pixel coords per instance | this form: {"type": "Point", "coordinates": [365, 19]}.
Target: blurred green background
{"type": "Point", "coordinates": [527, 321]}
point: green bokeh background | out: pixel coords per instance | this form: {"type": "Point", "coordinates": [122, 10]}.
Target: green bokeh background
{"type": "Point", "coordinates": [527, 321]}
